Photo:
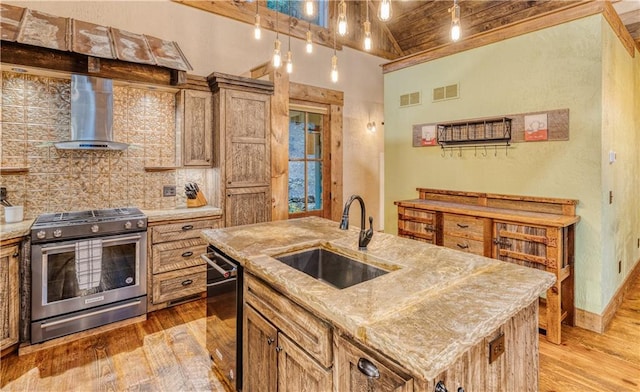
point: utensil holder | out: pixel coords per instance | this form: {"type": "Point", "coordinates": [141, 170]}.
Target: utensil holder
{"type": "Point", "coordinates": [199, 201]}
{"type": "Point", "coordinates": [13, 214]}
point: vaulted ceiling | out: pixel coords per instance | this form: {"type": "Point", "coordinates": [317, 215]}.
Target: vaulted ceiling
{"type": "Point", "coordinates": [419, 26]}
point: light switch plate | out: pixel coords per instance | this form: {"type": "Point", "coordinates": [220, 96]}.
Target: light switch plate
{"type": "Point", "coordinates": [496, 348]}
{"type": "Point", "coordinates": [168, 190]}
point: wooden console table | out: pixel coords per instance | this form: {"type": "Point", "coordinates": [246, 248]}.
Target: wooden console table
{"type": "Point", "coordinates": [534, 232]}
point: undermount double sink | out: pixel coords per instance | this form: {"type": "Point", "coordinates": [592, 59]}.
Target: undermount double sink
{"type": "Point", "coordinates": [330, 267]}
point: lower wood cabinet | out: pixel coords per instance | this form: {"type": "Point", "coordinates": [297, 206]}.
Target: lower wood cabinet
{"type": "Point", "coordinates": [357, 370]}
{"type": "Point", "coordinates": [176, 272]}
{"type": "Point", "coordinates": [9, 296]}
{"type": "Point", "coordinates": [418, 224]}
{"type": "Point", "coordinates": [273, 362]}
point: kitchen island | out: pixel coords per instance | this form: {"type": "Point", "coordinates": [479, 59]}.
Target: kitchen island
{"type": "Point", "coordinates": [439, 317]}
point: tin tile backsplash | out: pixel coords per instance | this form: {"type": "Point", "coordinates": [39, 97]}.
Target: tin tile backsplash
{"type": "Point", "coordinates": [36, 112]}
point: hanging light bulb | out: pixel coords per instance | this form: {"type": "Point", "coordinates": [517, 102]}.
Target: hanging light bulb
{"type": "Point", "coordinates": [309, 40]}
{"type": "Point", "coordinates": [455, 21]}
{"type": "Point", "coordinates": [277, 60]}
{"type": "Point", "coordinates": [289, 62]}
{"type": "Point", "coordinates": [342, 18]}
{"type": "Point", "coordinates": [308, 7]}
{"type": "Point", "coordinates": [334, 68]}
{"type": "Point", "coordinates": [257, 33]}
{"type": "Point", "coordinates": [384, 11]}
{"type": "Point", "coordinates": [367, 30]}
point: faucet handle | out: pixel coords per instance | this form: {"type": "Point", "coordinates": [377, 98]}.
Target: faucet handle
{"type": "Point", "coordinates": [371, 223]}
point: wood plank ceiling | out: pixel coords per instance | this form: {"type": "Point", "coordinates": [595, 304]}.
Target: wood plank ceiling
{"type": "Point", "coordinates": [416, 25]}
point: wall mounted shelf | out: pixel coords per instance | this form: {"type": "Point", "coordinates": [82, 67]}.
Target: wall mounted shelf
{"type": "Point", "coordinates": [494, 131]}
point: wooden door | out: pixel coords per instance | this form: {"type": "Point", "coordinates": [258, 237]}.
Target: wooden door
{"type": "Point", "coordinates": [247, 205]}
{"type": "Point", "coordinates": [248, 139]}
{"type": "Point", "coordinates": [351, 378]}
{"type": "Point", "coordinates": [259, 353]}
{"type": "Point", "coordinates": [197, 113]}
{"type": "Point", "coordinates": [298, 372]}
{"type": "Point", "coordinates": [9, 296]}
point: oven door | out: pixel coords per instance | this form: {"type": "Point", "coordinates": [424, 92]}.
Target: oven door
{"type": "Point", "coordinates": [75, 275]}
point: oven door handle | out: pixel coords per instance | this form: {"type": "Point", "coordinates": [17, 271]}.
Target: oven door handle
{"type": "Point", "coordinates": [226, 274]}
{"type": "Point", "coordinates": [69, 319]}
{"type": "Point", "coordinates": [133, 237]}
{"type": "Point", "coordinates": [106, 241]}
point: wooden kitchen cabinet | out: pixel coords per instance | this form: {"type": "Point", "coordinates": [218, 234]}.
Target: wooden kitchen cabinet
{"type": "Point", "coordinates": [242, 128]}
{"type": "Point", "coordinates": [534, 232]}
{"type": "Point", "coordinates": [272, 361]}
{"type": "Point", "coordinates": [175, 272]}
{"type": "Point", "coordinates": [9, 296]}
{"type": "Point", "coordinates": [352, 358]}
{"type": "Point", "coordinates": [195, 117]}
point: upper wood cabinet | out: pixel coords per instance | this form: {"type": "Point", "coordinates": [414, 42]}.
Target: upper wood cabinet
{"type": "Point", "coordinates": [195, 116]}
{"type": "Point", "coordinates": [9, 296]}
{"type": "Point", "coordinates": [242, 128]}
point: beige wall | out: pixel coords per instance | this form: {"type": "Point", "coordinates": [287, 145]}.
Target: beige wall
{"type": "Point", "coordinates": [213, 43]}
{"type": "Point", "coordinates": [555, 68]}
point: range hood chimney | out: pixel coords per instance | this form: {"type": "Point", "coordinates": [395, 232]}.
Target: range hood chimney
{"type": "Point", "coordinates": [91, 115]}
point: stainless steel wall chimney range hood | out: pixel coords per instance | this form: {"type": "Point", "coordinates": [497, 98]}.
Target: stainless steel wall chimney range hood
{"type": "Point", "coordinates": [91, 115]}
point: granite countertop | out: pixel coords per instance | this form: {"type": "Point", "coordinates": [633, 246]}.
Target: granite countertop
{"type": "Point", "coordinates": [433, 306]}
{"type": "Point", "coordinates": [10, 231]}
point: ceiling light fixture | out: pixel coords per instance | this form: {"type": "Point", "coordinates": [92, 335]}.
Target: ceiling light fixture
{"type": "Point", "coordinates": [277, 60]}
{"type": "Point", "coordinates": [308, 7]}
{"type": "Point", "coordinates": [384, 11]}
{"type": "Point", "coordinates": [289, 59]}
{"type": "Point", "coordinates": [257, 33]}
{"type": "Point", "coordinates": [342, 18]}
{"type": "Point", "coordinates": [309, 40]}
{"type": "Point", "coordinates": [455, 21]}
{"type": "Point", "coordinates": [367, 30]}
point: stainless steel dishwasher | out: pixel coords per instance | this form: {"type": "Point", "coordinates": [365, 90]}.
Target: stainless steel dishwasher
{"type": "Point", "coordinates": [224, 316]}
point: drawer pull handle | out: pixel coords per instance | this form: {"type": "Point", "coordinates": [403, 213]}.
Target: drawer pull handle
{"type": "Point", "coordinates": [367, 368]}
{"type": "Point", "coordinates": [463, 246]}
{"type": "Point", "coordinates": [187, 254]}
{"type": "Point", "coordinates": [187, 282]}
{"type": "Point", "coordinates": [187, 227]}
{"type": "Point", "coordinates": [462, 226]}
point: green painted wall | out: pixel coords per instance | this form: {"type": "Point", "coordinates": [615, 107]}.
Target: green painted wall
{"type": "Point", "coordinates": [558, 67]}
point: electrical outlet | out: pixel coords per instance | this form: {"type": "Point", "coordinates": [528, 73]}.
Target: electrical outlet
{"type": "Point", "coordinates": [496, 348]}
{"type": "Point", "coordinates": [168, 190]}
{"type": "Point", "coordinates": [619, 266]}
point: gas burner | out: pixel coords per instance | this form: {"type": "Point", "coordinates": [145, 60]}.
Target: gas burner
{"type": "Point", "coordinates": [79, 224]}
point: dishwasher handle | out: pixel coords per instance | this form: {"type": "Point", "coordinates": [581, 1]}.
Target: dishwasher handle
{"type": "Point", "coordinates": [225, 273]}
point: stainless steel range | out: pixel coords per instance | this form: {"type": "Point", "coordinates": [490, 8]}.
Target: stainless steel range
{"type": "Point", "coordinates": [88, 268]}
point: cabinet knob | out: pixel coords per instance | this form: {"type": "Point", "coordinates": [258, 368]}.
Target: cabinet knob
{"type": "Point", "coordinates": [270, 341]}
{"type": "Point", "coordinates": [16, 254]}
{"type": "Point", "coordinates": [278, 349]}
{"type": "Point", "coordinates": [440, 387]}
{"type": "Point", "coordinates": [367, 368]}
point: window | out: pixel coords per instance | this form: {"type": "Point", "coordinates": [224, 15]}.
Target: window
{"type": "Point", "coordinates": [308, 161]}
{"type": "Point", "coordinates": [295, 8]}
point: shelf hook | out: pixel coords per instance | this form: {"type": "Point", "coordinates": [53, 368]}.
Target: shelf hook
{"type": "Point", "coordinates": [485, 152]}
{"type": "Point", "coordinates": [442, 152]}
{"type": "Point", "coordinates": [495, 153]}
{"type": "Point", "coordinates": [459, 152]}
{"type": "Point", "coordinates": [475, 151]}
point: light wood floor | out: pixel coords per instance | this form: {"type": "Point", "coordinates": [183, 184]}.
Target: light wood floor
{"type": "Point", "coordinates": [167, 353]}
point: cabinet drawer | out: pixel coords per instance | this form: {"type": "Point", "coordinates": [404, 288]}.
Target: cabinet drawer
{"type": "Point", "coordinates": [181, 231]}
{"type": "Point", "coordinates": [417, 215]}
{"type": "Point", "coordinates": [465, 226]}
{"type": "Point", "coordinates": [309, 332]}
{"type": "Point", "coordinates": [464, 244]}
{"type": "Point", "coordinates": [351, 378]}
{"type": "Point", "coordinates": [174, 255]}
{"type": "Point", "coordinates": [178, 284]}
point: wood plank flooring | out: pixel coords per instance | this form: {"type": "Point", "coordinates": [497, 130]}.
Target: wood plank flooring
{"type": "Point", "coordinates": [167, 353]}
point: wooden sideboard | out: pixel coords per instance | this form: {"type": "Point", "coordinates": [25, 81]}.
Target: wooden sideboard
{"type": "Point", "coordinates": [535, 232]}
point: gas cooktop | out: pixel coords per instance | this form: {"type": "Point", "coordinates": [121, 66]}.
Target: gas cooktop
{"type": "Point", "coordinates": [79, 224]}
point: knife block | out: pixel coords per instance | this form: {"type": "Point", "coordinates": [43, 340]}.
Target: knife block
{"type": "Point", "coordinates": [199, 201]}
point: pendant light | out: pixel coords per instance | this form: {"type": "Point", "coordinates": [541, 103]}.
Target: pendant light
{"type": "Point", "coordinates": [277, 60]}
{"type": "Point", "coordinates": [384, 11]}
{"type": "Point", "coordinates": [309, 40]}
{"type": "Point", "coordinates": [308, 7]}
{"type": "Point", "coordinates": [455, 21]}
{"type": "Point", "coordinates": [342, 18]}
{"type": "Point", "coordinates": [289, 59]}
{"type": "Point", "coordinates": [257, 33]}
{"type": "Point", "coordinates": [367, 30]}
